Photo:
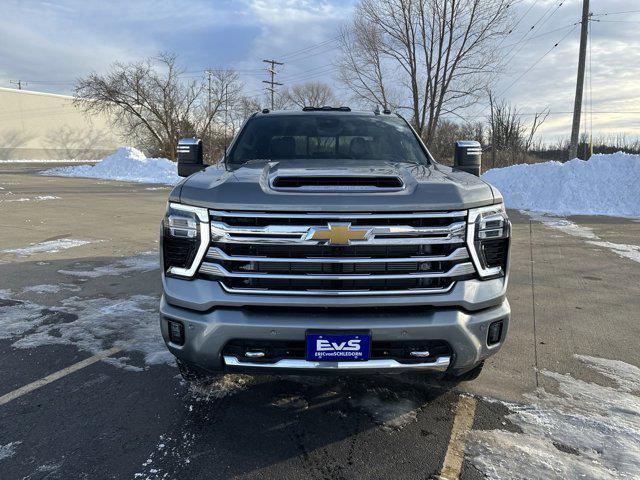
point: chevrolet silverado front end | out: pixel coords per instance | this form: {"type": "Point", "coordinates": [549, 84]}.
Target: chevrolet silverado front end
{"type": "Point", "coordinates": [329, 240]}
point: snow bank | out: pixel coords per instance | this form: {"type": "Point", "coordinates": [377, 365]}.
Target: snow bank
{"type": "Point", "coordinates": [603, 185]}
{"type": "Point", "coordinates": [126, 164]}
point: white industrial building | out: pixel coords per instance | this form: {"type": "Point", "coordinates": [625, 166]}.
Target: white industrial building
{"type": "Point", "coordinates": [36, 125]}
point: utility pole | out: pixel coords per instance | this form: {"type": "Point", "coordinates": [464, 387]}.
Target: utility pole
{"type": "Point", "coordinates": [19, 83]}
{"type": "Point", "coordinates": [577, 106]}
{"type": "Point", "coordinates": [272, 83]}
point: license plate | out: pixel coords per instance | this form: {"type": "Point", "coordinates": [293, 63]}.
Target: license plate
{"type": "Point", "coordinates": [334, 347]}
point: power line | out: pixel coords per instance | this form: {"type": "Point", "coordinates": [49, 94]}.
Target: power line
{"type": "Point", "coordinates": [294, 53]}
{"type": "Point", "coordinates": [311, 55]}
{"type": "Point", "coordinates": [313, 76]}
{"type": "Point", "coordinates": [568, 112]}
{"type": "Point", "coordinates": [533, 4]}
{"type": "Point", "coordinates": [536, 62]}
{"type": "Point", "coordinates": [312, 72]}
{"type": "Point", "coordinates": [549, 32]}
{"type": "Point", "coordinates": [48, 82]}
{"type": "Point", "coordinates": [541, 22]}
{"type": "Point", "coordinates": [614, 13]}
{"type": "Point", "coordinates": [615, 21]}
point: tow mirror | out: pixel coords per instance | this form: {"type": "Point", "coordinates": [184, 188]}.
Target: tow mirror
{"type": "Point", "coordinates": [468, 155]}
{"type": "Point", "coordinates": [190, 156]}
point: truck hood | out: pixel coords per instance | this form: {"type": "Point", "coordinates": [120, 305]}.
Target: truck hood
{"type": "Point", "coordinates": [250, 187]}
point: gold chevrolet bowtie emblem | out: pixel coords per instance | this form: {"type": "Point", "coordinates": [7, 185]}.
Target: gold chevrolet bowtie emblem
{"type": "Point", "coordinates": [339, 233]}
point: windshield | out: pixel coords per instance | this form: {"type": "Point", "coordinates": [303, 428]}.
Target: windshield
{"type": "Point", "coordinates": [327, 137]}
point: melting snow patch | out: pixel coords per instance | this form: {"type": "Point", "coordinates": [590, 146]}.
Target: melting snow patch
{"type": "Point", "coordinates": [21, 199]}
{"type": "Point", "coordinates": [603, 185]}
{"type": "Point", "coordinates": [8, 450]}
{"type": "Point", "coordinates": [222, 386]}
{"type": "Point", "coordinates": [99, 323]}
{"type": "Point", "coordinates": [18, 316]}
{"type": "Point", "coordinates": [127, 164]}
{"type": "Point", "coordinates": [631, 252]}
{"type": "Point", "coordinates": [145, 262]}
{"type": "Point", "coordinates": [48, 288]}
{"type": "Point", "coordinates": [90, 324]}
{"type": "Point", "coordinates": [52, 246]}
{"type": "Point", "coordinates": [387, 409]}
{"type": "Point", "coordinates": [588, 431]}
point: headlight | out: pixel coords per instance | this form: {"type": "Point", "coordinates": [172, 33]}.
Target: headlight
{"type": "Point", "coordinates": [488, 239]}
{"type": "Point", "coordinates": [185, 238]}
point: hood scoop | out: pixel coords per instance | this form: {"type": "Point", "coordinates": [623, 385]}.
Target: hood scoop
{"type": "Point", "coordinates": [337, 183]}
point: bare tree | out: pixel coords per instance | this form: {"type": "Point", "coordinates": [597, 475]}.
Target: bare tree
{"type": "Point", "coordinates": [360, 66]}
{"type": "Point", "coordinates": [538, 119]}
{"type": "Point", "coordinates": [154, 102]}
{"type": "Point", "coordinates": [246, 107]}
{"type": "Point", "coordinates": [511, 138]}
{"type": "Point", "coordinates": [447, 132]}
{"type": "Point", "coordinates": [281, 100]}
{"type": "Point", "coordinates": [311, 94]}
{"type": "Point", "coordinates": [437, 51]}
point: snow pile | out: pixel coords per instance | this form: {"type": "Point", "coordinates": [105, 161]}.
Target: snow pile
{"type": "Point", "coordinates": [603, 185]}
{"type": "Point", "coordinates": [127, 164]}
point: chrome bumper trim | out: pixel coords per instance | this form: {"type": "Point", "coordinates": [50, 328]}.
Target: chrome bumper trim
{"type": "Point", "coordinates": [375, 235]}
{"type": "Point", "coordinates": [440, 365]}
{"type": "Point", "coordinates": [458, 270]}
{"type": "Point", "coordinates": [338, 293]}
{"type": "Point", "coordinates": [215, 253]}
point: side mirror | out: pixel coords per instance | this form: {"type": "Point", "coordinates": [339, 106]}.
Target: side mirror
{"type": "Point", "coordinates": [468, 156]}
{"type": "Point", "coordinates": [190, 156]}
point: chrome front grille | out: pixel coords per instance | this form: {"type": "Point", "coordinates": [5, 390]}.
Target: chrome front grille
{"type": "Point", "coordinates": [337, 254]}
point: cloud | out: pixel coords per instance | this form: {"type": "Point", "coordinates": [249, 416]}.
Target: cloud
{"type": "Point", "coordinates": [289, 26]}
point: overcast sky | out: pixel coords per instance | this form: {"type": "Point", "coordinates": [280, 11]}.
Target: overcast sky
{"type": "Point", "coordinates": [50, 44]}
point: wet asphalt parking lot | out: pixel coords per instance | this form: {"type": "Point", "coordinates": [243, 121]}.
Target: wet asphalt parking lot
{"type": "Point", "coordinates": [88, 390]}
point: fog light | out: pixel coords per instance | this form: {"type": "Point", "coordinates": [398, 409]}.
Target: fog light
{"type": "Point", "coordinates": [495, 333]}
{"type": "Point", "coordinates": [176, 332]}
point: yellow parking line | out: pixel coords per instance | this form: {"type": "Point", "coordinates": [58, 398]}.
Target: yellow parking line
{"type": "Point", "coordinates": [30, 387]}
{"type": "Point", "coordinates": [462, 422]}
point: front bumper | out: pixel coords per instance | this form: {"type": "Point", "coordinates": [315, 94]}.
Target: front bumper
{"type": "Point", "coordinates": [207, 332]}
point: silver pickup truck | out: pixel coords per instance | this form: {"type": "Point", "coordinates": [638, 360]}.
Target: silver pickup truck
{"type": "Point", "coordinates": [329, 240]}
